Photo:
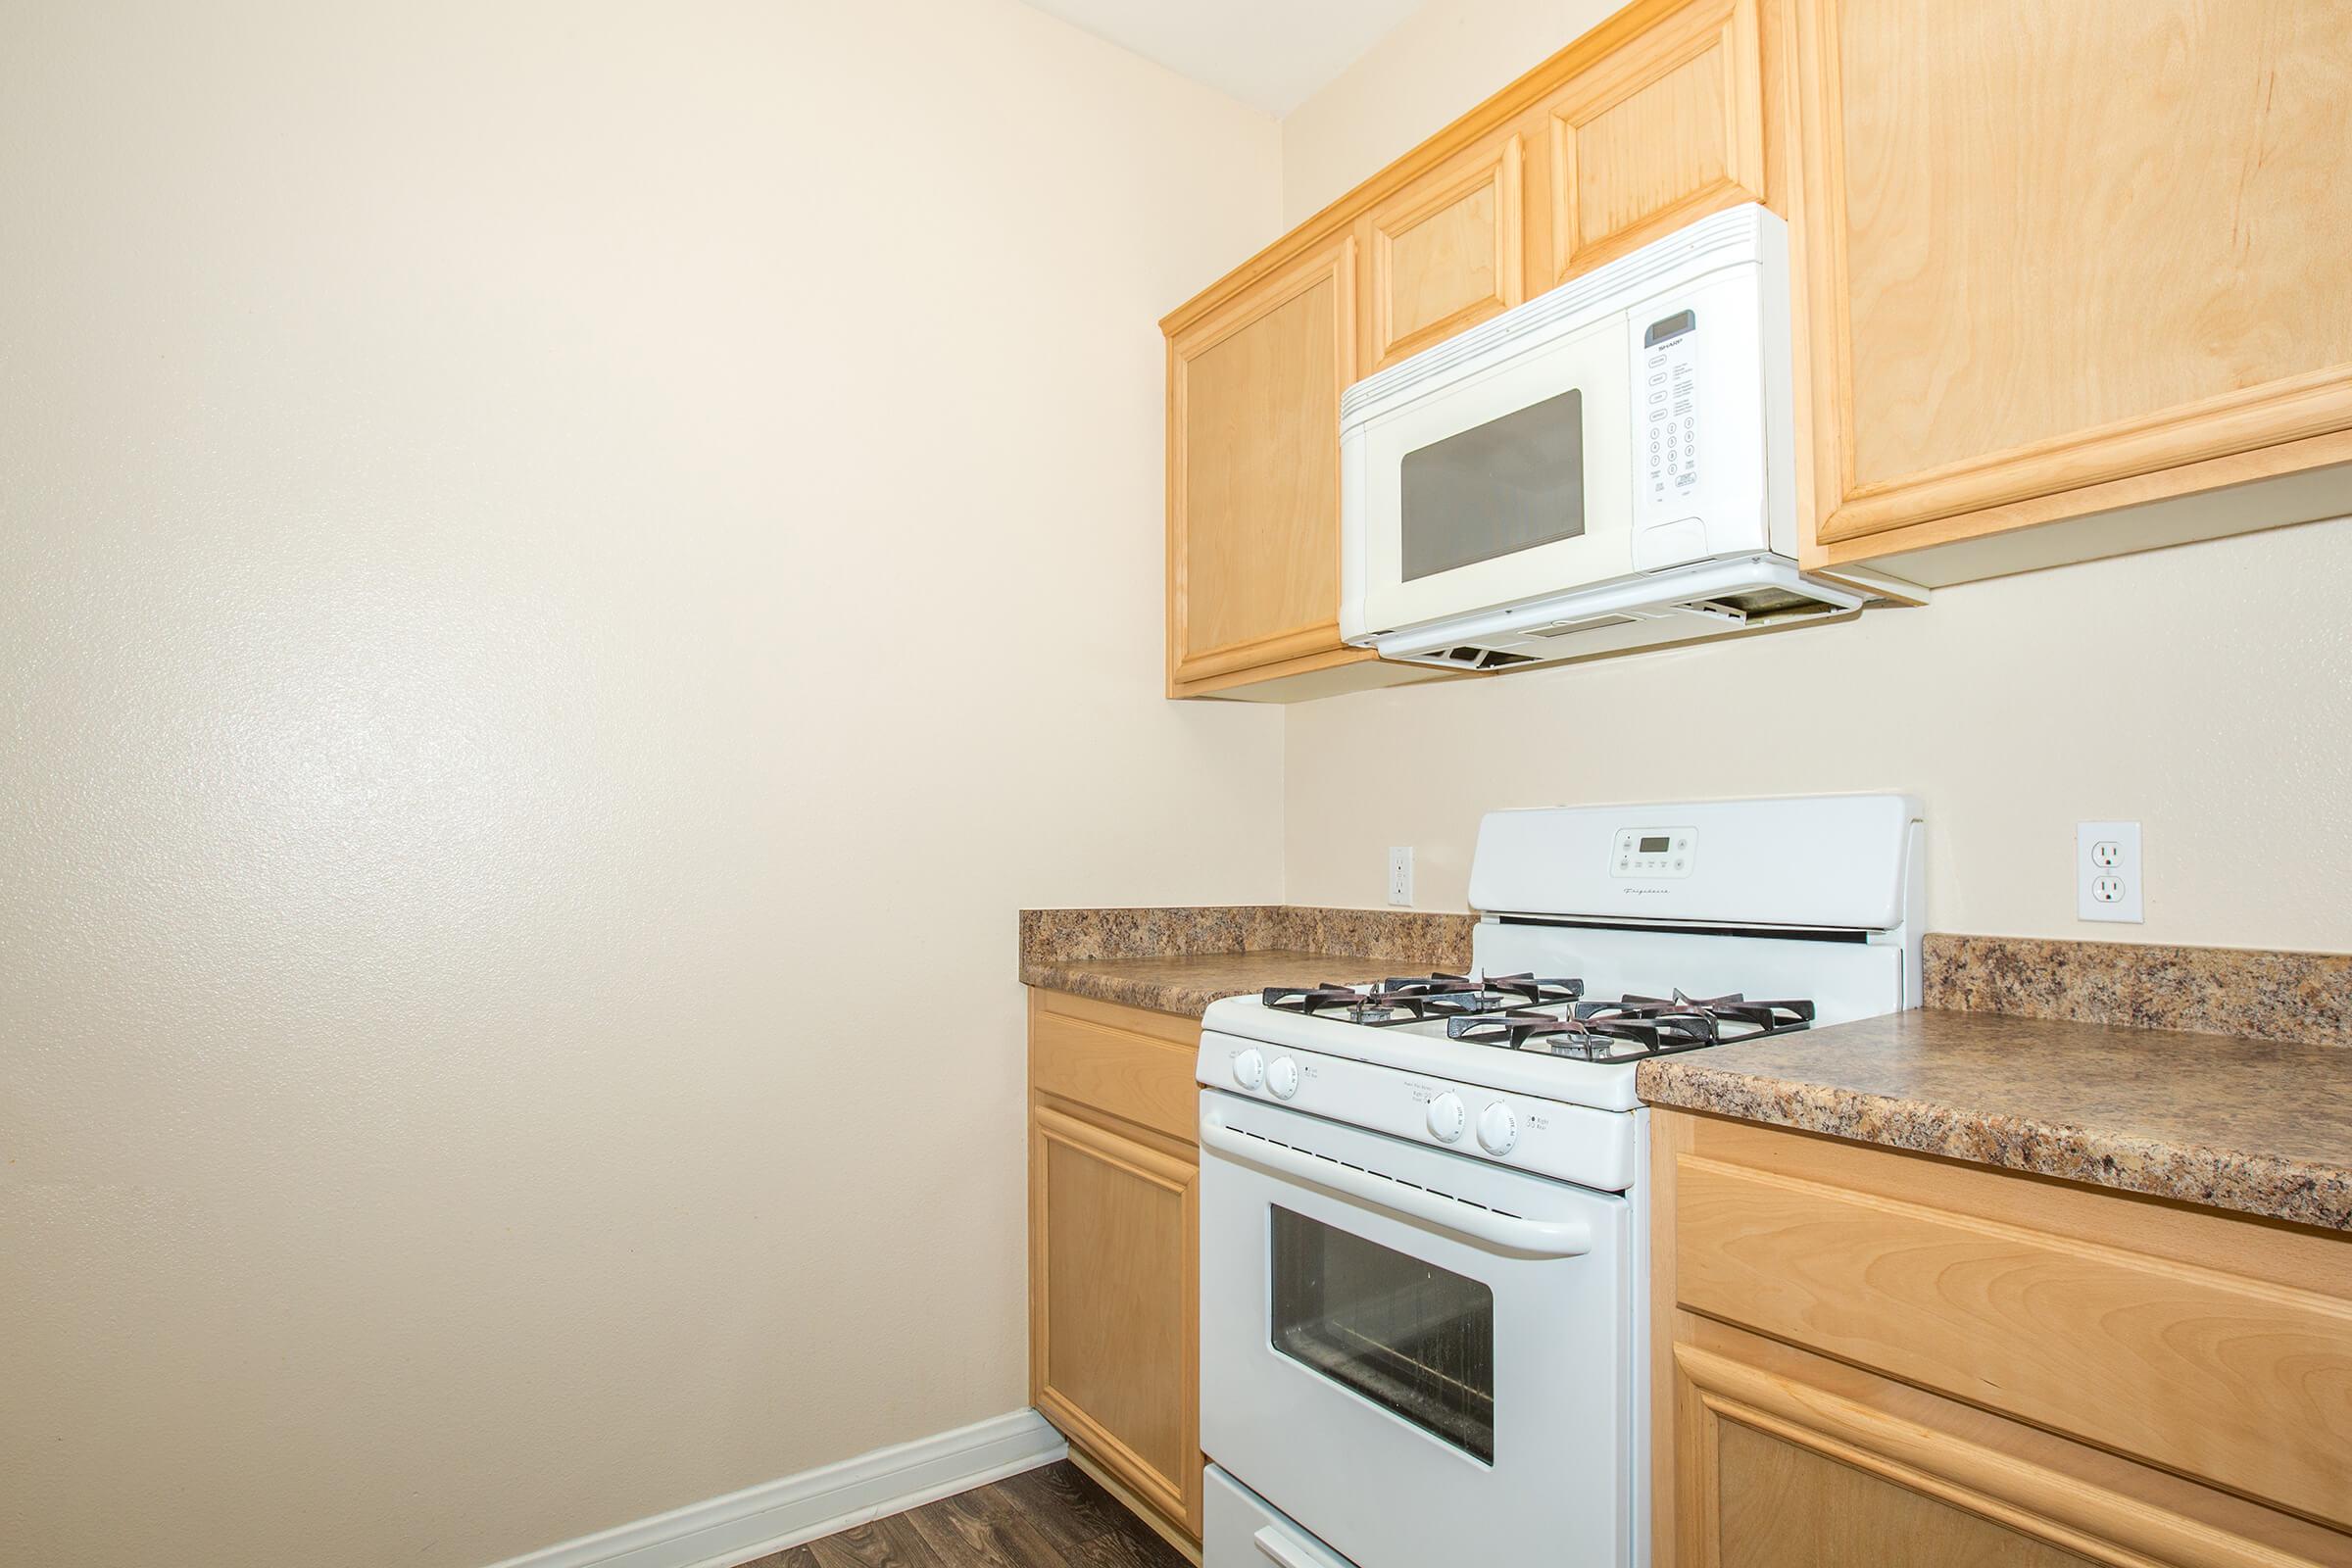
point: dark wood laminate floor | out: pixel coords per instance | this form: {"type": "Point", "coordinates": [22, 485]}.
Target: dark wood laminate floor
{"type": "Point", "coordinates": [1045, 1518]}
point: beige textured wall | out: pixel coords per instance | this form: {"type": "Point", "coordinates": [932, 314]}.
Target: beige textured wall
{"type": "Point", "coordinates": [1442, 61]}
{"type": "Point", "coordinates": [551, 557]}
{"type": "Point", "coordinates": [2205, 690]}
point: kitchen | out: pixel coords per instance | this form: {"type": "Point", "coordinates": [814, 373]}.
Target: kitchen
{"type": "Point", "coordinates": [459, 765]}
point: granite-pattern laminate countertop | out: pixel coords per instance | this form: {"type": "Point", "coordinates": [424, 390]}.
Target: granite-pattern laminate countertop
{"type": "Point", "coordinates": [2209, 1075]}
{"type": "Point", "coordinates": [1188, 982]}
{"type": "Point", "coordinates": [1181, 960]}
{"type": "Point", "coordinates": [2259, 1126]}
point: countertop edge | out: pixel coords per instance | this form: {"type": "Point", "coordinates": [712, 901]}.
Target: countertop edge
{"type": "Point", "coordinates": [2236, 1181]}
{"type": "Point", "coordinates": [1153, 996]}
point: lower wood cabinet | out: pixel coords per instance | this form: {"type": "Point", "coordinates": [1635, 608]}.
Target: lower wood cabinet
{"type": "Point", "coordinates": [1115, 1226]}
{"type": "Point", "coordinates": [1864, 1358]}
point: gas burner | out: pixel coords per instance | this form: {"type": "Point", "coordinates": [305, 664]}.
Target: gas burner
{"type": "Point", "coordinates": [1390, 1002]}
{"type": "Point", "coordinates": [1767, 1017]}
{"type": "Point", "coordinates": [1400, 1000]}
{"type": "Point", "coordinates": [1351, 1004]}
{"type": "Point", "coordinates": [1534, 991]}
{"type": "Point", "coordinates": [1631, 1026]}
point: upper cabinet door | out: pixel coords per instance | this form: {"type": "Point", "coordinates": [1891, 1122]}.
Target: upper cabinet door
{"type": "Point", "coordinates": [1656, 134]}
{"type": "Point", "coordinates": [2064, 255]}
{"type": "Point", "coordinates": [1444, 252]}
{"type": "Point", "coordinates": [1253, 475]}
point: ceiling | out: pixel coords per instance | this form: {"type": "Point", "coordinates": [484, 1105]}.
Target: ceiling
{"type": "Point", "coordinates": [1270, 54]}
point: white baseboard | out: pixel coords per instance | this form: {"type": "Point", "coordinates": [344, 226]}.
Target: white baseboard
{"type": "Point", "coordinates": [776, 1514]}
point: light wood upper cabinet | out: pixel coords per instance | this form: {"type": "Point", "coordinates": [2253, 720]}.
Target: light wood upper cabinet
{"type": "Point", "coordinates": [1655, 117]}
{"type": "Point", "coordinates": [1254, 483]}
{"type": "Point", "coordinates": [1656, 134]}
{"type": "Point", "coordinates": [1444, 253]}
{"type": "Point", "coordinates": [2065, 254]}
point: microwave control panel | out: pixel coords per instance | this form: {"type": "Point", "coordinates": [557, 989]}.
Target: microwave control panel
{"type": "Point", "coordinates": [1701, 481]}
{"type": "Point", "coordinates": [1669, 376]}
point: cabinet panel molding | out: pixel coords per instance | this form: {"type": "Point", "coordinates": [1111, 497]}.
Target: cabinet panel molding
{"type": "Point", "coordinates": [1254, 494]}
{"type": "Point", "coordinates": [1662, 132]}
{"type": "Point", "coordinates": [2020, 284]}
{"type": "Point", "coordinates": [1113, 1326]}
{"type": "Point", "coordinates": [1445, 253]}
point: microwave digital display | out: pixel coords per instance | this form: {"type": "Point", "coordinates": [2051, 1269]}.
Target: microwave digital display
{"type": "Point", "coordinates": [1669, 328]}
{"type": "Point", "coordinates": [1497, 488]}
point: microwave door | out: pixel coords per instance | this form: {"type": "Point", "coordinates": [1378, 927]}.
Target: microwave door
{"type": "Point", "coordinates": [1504, 485]}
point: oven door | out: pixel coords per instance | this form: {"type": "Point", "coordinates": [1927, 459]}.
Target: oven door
{"type": "Point", "coordinates": [1419, 1357]}
{"type": "Point", "coordinates": [1491, 486]}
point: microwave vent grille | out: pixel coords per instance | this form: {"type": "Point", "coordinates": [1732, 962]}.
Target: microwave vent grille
{"type": "Point", "coordinates": [1569, 628]}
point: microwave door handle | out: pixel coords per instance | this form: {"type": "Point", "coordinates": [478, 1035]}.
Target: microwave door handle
{"type": "Point", "coordinates": [1285, 1552]}
{"type": "Point", "coordinates": [1505, 1233]}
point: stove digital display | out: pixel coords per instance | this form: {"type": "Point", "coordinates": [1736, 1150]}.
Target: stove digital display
{"type": "Point", "coordinates": [1657, 846]}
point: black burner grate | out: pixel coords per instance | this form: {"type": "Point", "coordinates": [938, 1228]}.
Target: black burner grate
{"type": "Point", "coordinates": [1413, 998]}
{"type": "Point", "coordinates": [1632, 1026]}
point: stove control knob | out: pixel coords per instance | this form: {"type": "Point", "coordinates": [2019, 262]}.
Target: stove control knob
{"type": "Point", "coordinates": [1249, 1070]}
{"type": "Point", "coordinates": [1283, 1077]}
{"type": "Point", "coordinates": [1498, 1129]}
{"type": "Point", "coordinates": [1447, 1118]}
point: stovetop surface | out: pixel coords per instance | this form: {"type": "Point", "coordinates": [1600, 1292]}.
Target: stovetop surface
{"type": "Point", "coordinates": [1544, 1014]}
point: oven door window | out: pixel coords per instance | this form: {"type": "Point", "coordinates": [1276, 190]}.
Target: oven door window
{"type": "Point", "coordinates": [1408, 1336]}
{"type": "Point", "coordinates": [1500, 487]}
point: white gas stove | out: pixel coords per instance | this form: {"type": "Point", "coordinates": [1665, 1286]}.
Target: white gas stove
{"type": "Point", "coordinates": [1412, 1184]}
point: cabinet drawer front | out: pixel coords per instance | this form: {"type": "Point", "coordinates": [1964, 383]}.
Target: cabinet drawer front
{"type": "Point", "coordinates": [1144, 1078]}
{"type": "Point", "coordinates": [1662, 132]}
{"type": "Point", "coordinates": [2192, 1369]}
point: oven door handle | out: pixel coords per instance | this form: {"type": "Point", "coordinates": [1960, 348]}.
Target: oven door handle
{"type": "Point", "coordinates": [1505, 1233]}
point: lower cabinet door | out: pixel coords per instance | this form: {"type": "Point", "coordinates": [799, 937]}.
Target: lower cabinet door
{"type": "Point", "coordinates": [1114, 1289]}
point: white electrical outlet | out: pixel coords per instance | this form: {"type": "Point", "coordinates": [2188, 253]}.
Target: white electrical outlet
{"type": "Point", "coordinates": [2107, 874]}
{"type": "Point", "coordinates": [1400, 876]}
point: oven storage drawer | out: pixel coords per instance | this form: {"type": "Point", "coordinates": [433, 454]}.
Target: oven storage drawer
{"type": "Point", "coordinates": [1245, 1531]}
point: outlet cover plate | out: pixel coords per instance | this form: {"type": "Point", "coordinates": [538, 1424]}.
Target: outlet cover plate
{"type": "Point", "coordinates": [2108, 882]}
{"type": "Point", "coordinates": [1400, 876]}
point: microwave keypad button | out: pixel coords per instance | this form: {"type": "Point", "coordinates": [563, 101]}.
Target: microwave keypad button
{"type": "Point", "coordinates": [1657, 398]}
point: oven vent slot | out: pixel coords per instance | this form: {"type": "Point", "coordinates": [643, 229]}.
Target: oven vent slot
{"type": "Point", "coordinates": [1348, 1165]}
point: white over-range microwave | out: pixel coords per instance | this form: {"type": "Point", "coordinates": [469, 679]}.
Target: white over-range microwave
{"type": "Point", "coordinates": [1608, 466]}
